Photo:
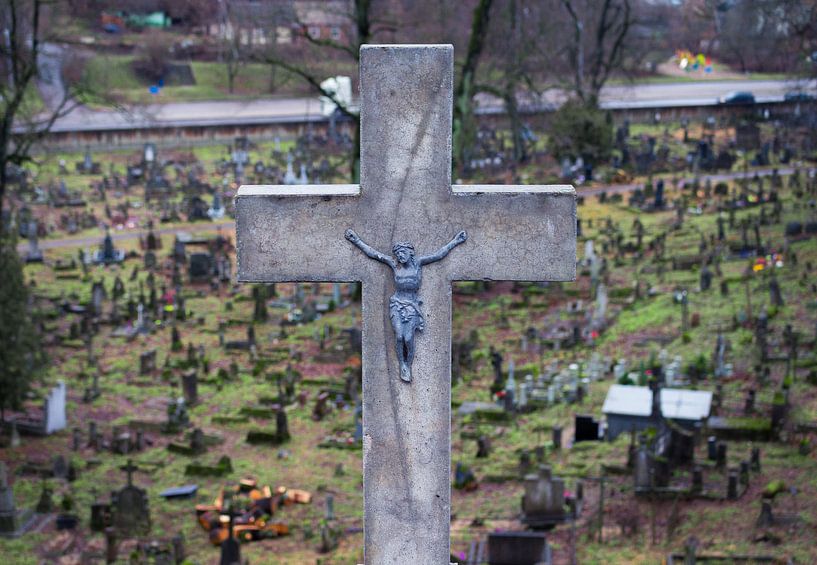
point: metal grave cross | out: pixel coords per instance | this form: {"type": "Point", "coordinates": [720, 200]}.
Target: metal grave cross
{"type": "Point", "coordinates": [325, 232]}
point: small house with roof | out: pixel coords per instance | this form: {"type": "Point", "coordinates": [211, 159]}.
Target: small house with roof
{"type": "Point", "coordinates": [639, 407]}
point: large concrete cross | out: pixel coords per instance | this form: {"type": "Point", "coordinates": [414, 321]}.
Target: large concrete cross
{"type": "Point", "coordinates": [296, 233]}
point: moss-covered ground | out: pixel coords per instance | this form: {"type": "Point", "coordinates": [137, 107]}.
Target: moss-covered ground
{"type": "Point", "coordinates": [499, 314]}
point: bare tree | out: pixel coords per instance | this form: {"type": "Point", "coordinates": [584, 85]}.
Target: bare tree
{"type": "Point", "coordinates": [377, 21]}
{"type": "Point", "coordinates": [22, 124]}
{"type": "Point", "coordinates": [516, 69]}
{"type": "Point", "coordinates": [597, 46]}
{"type": "Point", "coordinates": [232, 50]}
{"type": "Point", "coordinates": [768, 35]}
{"type": "Point", "coordinates": [464, 127]}
{"type": "Point", "coordinates": [154, 57]}
{"type": "Point", "coordinates": [364, 27]}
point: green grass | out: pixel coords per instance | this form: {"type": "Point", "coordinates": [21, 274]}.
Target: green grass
{"type": "Point", "coordinates": [113, 76]}
{"type": "Point", "coordinates": [498, 321]}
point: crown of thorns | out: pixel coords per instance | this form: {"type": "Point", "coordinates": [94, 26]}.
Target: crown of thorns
{"type": "Point", "coordinates": [402, 245]}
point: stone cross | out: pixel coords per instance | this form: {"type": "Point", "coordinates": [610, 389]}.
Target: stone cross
{"type": "Point", "coordinates": [129, 468]}
{"type": "Point", "coordinates": [297, 233]}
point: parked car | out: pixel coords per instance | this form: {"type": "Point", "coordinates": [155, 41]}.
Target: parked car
{"type": "Point", "coordinates": [799, 96]}
{"type": "Point", "coordinates": [737, 98]}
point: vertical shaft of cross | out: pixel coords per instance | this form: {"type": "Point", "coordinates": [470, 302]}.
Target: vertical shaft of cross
{"type": "Point", "coordinates": [406, 129]}
{"type": "Point", "coordinates": [309, 233]}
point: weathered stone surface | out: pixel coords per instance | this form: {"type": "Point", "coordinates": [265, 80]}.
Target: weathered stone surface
{"type": "Point", "coordinates": [514, 233]}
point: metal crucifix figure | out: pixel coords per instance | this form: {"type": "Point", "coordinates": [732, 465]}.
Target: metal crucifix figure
{"type": "Point", "coordinates": [404, 306]}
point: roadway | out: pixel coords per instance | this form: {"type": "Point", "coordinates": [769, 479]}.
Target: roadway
{"type": "Point", "coordinates": [288, 110]}
{"type": "Point", "coordinates": [661, 95]}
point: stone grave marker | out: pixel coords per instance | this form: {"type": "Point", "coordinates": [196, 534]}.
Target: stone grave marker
{"type": "Point", "coordinates": [150, 260]}
{"type": "Point", "coordinates": [147, 362]}
{"type": "Point", "coordinates": [107, 253]}
{"type": "Point", "coordinates": [190, 387]}
{"type": "Point", "coordinates": [12, 521]}
{"type": "Point", "coordinates": [131, 515]}
{"type": "Point", "coordinates": [517, 548]}
{"type": "Point", "coordinates": [34, 254]}
{"type": "Point", "coordinates": [405, 195]}
{"type": "Point", "coordinates": [53, 419]}
{"type": "Point", "coordinates": [543, 503]}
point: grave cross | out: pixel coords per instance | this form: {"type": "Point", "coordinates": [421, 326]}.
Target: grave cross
{"type": "Point", "coordinates": [130, 468]}
{"type": "Point", "coordinates": [299, 233]}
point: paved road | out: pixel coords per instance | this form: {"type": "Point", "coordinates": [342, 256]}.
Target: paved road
{"type": "Point", "coordinates": [285, 110]}
{"type": "Point", "coordinates": [703, 93]}
{"type": "Point", "coordinates": [182, 114]}
{"type": "Point", "coordinates": [697, 93]}
{"type": "Point", "coordinates": [230, 226]}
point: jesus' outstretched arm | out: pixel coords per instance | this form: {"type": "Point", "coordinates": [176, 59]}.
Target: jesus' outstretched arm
{"type": "Point", "coordinates": [443, 251]}
{"type": "Point", "coordinates": [370, 251]}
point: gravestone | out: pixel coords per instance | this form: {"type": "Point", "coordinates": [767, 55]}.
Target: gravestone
{"type": "Point", "coordinates": [45, 505]}
{"type": "Point", "coordinates": [107, 253]}
{"type": "Point", "coordinates": [150, 259]}
{"type": "Point", "coordinates": [54, 418]}
{"type": "Point", "coordinates": [59, 467]}
{"type": "Point", "coordinates": [93, 436]}
{"type": "Point", "coordinates": [34, 254]}
{"type": "Point", "coordinates": [147, 362]}
{"type": "Point", "coordinates": [518, 548]}
{"type": "Point", "coordinates": [557, 437]}
{"type": "Point", "coordinates": [177, 417]}
{"type": "Point", "coordinates": [129, 505]}
{"type": "Point", "coordinates": [201, 267]}
{"type": "Point", "coordinates": [543, 503]}
{"type": "Point", "coordinates": [405, 195]}
{"type": "Point", "coordinates": [190, 387]}
{"type": "Point", "coordinates": [643, 467]}
{"type": "Point", "coordinates": [330, 508]}
{"type": "Point", "coordinates": [13, 522]}
{"type": "Point", "coordinates": [281, 425]}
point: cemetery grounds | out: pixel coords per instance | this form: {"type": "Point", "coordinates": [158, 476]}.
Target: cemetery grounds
{"type": "Point", "coordinates": [236, 392]}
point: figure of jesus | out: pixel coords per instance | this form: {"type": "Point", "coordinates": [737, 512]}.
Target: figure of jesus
{"type": "Point", "coordinates": [404, 307]}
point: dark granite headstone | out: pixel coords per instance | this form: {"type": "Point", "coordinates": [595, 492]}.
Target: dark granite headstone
{"type": "Point", "coordinates": [131, 515]}
{"type": "Point", "coordinates": [190, 386]}
{"type": "Point", "coordinates": [517, 548]}
{"type": "Point", "coordinates": [147, 362]}
{"type": "Point", "coordinates": [201, 266]}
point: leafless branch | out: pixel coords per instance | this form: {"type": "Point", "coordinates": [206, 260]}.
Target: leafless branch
{"type": "Point", "coordinates": [314, 82]}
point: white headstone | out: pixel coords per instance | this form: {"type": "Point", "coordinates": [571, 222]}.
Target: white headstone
{"type": "Point", "coordinates": [54, 409]}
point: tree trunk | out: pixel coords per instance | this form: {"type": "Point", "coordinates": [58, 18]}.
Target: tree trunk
{"type": "Point", "coordinates": [462, 95]}
{"type": "Point", "coordinates": [272, 75]}
{"type": "Point", "coordinates": [511, 83]}
{"type": "Point", "coordinates": [3, 182]}
{"type": "Point", "coordinates": [519, 153]}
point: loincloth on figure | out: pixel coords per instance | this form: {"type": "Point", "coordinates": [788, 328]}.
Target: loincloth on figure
{"type": "Point", "coordinates": [408, 311]}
